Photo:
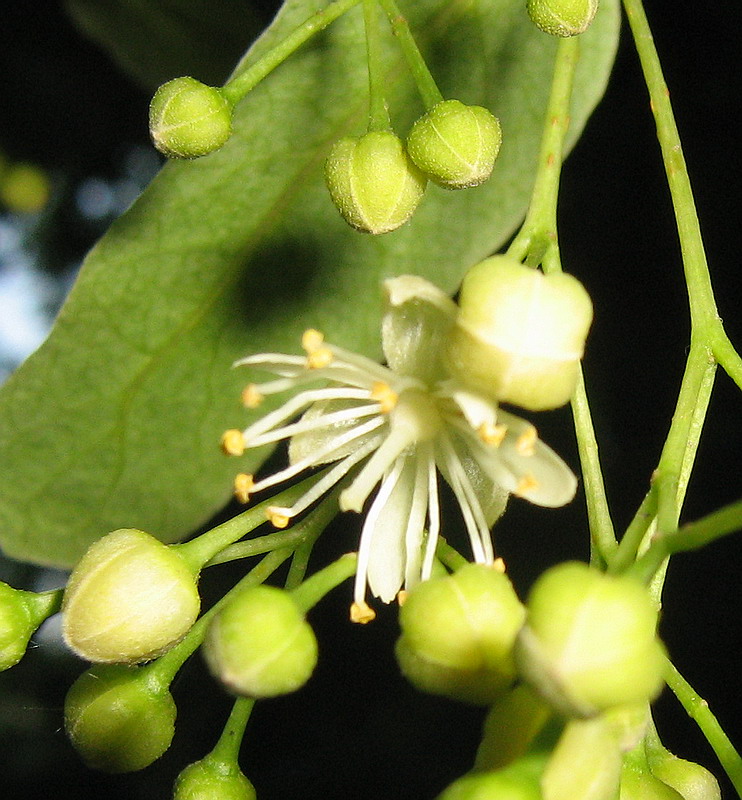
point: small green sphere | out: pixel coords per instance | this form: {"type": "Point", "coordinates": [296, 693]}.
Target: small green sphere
{"type": "Point", "coordinates": [520, 334]}
{"type": "Point", "coordinates": [455, 145]}
{"type": "Point", "coordinates": [260, 645]}
{"type": "Point", "coordinates": [188, 119]}
{"type": "Point", "coordinates": [117, 720]}
{"type": "Point", "coordinates": [211, 779]}
{"type": "Point", "coordinates": [373, 182]}
{"type": "Point", "coordinates": [458, 634]}
{"type": "Point", "coordinates": [517, 781]}
{"type": "Point", "coordinates": [129, 599]}
{"type": "Point", "coordinates": [589, 643]}
{"type": "Point", "coordinates": [562, 17]}
{"type": "Point", "coordinates": [16, 626]}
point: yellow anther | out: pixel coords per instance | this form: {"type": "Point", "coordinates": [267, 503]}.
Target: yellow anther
{"type": "Point", "coordinates": [318, 355]}
{"type": "Point", "coordinates": [498, 565]}
{"type": "Point", "coordinates": [277, 516]}
{"type": "Point", "coordinates": [402, 596]}
{"type": "Point", "coordinates": [492, 434]}
{"type": "Point", "coordinates": [526, 485]}
{"type": "Point", "coordinates": [251, 397]}
{"type": "Point", "coordinates": [384, 395]}
{"type": "Point", "coordinates": [525, 444]}
{"type": "Point", "coordinates": [362, 613]}
{"type": "Point", "coordinates": [243, 485]}
{"type": "Point", "coordinates": [232, 442]}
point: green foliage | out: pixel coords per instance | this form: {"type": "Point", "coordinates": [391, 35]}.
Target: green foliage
{"type": "Point", "coordinates": [115, 421]}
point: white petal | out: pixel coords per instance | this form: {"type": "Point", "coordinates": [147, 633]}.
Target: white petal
{"type": "Point", "coordinates": [415, 327]}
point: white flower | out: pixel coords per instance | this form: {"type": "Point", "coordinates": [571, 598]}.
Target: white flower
{"type": "Point", "coordinates": [399, 426]}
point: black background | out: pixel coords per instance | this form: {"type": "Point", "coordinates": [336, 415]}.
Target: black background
{"type": "Point", "coordinates": [357, 730]}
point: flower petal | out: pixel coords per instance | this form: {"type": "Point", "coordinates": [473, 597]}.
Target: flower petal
{"type": "Point", "coordinates": [416, 323]}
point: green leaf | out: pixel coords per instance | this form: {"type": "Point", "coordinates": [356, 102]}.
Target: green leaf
{"type": "Point", "coordinates": [115, 421]}
{"type": "Point", "coordinates": [155, 40]}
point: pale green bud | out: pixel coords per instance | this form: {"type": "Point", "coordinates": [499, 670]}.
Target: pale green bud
{"type": "Point", "coordinates": [517, 781]}
{"type": "Point", "coordinates": [118, 719]}
{"type": "Point", "coordinates": [692, 781]}
{"type": "Point", "coordinates": [585, 764]}
{"type": "Point", "coordinates": [16, 626]}
{"type": "Point", "coordinates": [455, 145]}
{"type": "Point", "coordinates": [562, 17]}
{"type": "Point", "coordinates": [458, 634]}
{"type": "Point", "coordinates": [188, 119]}
{"type": "Point", "coordinates": [212, 779]}
{"type": "Point", "coordinates": [260, 645]}
{"type": "Point", "coordinates": [129, 599]}
{"type": "Point", "coordinates": [520, 334]}
{"type": "Point", "coordinates": [373, 182]}
{"type": "Point", "coordinates": [589, 643]}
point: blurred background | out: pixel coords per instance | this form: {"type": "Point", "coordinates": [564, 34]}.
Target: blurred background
{"type": "Point", "coordinates": [74, 153]}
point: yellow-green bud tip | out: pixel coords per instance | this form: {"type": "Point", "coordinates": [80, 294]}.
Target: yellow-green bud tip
{"type": "Point", "coordinates": [562, 17]}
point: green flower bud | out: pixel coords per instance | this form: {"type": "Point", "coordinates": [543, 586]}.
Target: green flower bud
{"type": "Point", "coordinates": [562, 17]}
{"type": "Point", "coordinates": [455, 145]}
{"type": "Point", "coordinates": [458, 634]}
{"type": "Point", "coordinates": [589, 643]}
{"type": "Point", "coordinates": [213, 779]}
{"type": "Point", "coordinates": [518, 781]}
{"type": "Point", "coordinates": [585, 764]}
{"type": "Point", "coordinates": [520, 334]}
{"type": "Point", "coordinates": [188, 119]}
{"type": "Point", "coordinates": [260, 645]}
{"type": "Point", "coordinates": [373, 182]}
{"type": "Point", "coordinates": [129, 599]}
{"type": "Point", "coordinates": [118, 719]}
{"type": "Point", "coordinates": [644, 786]}
{"type": "Point", "coordinates": [16, 626]}
{"type": "Point", "coordinates": [512, 724]}
{"type": "Point", "coordinates": [691, 781]}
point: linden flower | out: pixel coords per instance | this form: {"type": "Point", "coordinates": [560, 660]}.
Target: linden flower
{"type": "Point", "coordinates": [398, 426]}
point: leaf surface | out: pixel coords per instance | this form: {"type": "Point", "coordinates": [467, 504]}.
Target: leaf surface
{"type": "Point", "coordinates": [115, 421]}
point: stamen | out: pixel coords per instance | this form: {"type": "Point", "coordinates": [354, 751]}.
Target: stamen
{"type": "Point", "coordinates": [243, 486]}
{"type": "Point", "coordinates": [434, 513]}
{"type": "Point", "coordinates": [499, 565]}
{"type": "Point", "coordinates": [415, 530]}
{"type": "Point", "coordinates": [402, 596]}
{"type": "Point", "coordinates": [525, 485]}
{"type": "Point", "coordinates": [492, 434]}
{"type": "Point", "coordinates": [318, 354]}
{"type": "Point", "coordinates": [525, 444]}
{"type": "Point", "coordinates": [362, 613]}
{"type": "Point", "coordinates": [276, 516]}
{"type": "Point", "coordinates": [385, 395]}
{"type": "Point", "coordinates": [251, 396]}
{"type": "Point", "coordinates": [232, 442]}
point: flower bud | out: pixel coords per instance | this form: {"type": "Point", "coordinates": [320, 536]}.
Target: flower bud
{"type": "Point", "coordinates": [691, 781]}
{"type": "Point", "coordinates": [520, 334]}
{"type": "Point", "coordinates": [455, 145]}
{"type": "Point", "coordinates": [260, 645]}
{"type": "Point", "coordinates": [188, 119]}
{"type": "Point", "coordinates": [458, 634]}
{"type": "Point", "coordinates": [212, 779]}
{"type": "Point", "coordinates": [642, 785]}
{"type": "Point", "coordinates": [129, 599]}
{"type": "Point", "coordinates": [118, 719]}
{"type": "Point", "coordinates": [16, 626]}
{"type": "Point", "coordinates": [562, 17]}
{"type": "Point", "coordinates": [585, 764]}
{"type": "Point", "coordinates": [373, 182]}
{"type": "Point", "coordinates": [589, 643]}
{"type": "Point", "coordinates": [517, 781]}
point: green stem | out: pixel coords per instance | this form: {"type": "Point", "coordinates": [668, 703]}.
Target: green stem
{"type": "Point", "coordinates": [241, 84]}
{"type": "Point", "coordinates": [698, 709]}
{"type": "Point", "coordinates": [378, 113]}
{"type": "Point", "coordinates": [227, 749]}
{"type": "Point", "coordinates": [309, 593]}
{"type": "Point", "coordinates": [204, 549]}
{"type": "Point", "coordinates": [426, 84]}
{"type": "Point", "coordinates": [630, 542]}
{"type": "Point", "coordinates": [536, 241]}
{"type": "Point", "coordinates": [449, 556]}
{"type": "Point", "coordinates": [42, 605]}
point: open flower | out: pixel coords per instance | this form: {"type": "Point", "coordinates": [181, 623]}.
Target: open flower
{"type": "Point", "coordinates": [398, 427]}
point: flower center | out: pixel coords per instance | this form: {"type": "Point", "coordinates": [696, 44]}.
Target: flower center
{"type": "Point", "coordinates": [417, 415]}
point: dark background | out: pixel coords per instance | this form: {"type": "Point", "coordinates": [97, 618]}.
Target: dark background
{"type": "Point", "coordinates": [357, 729]}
